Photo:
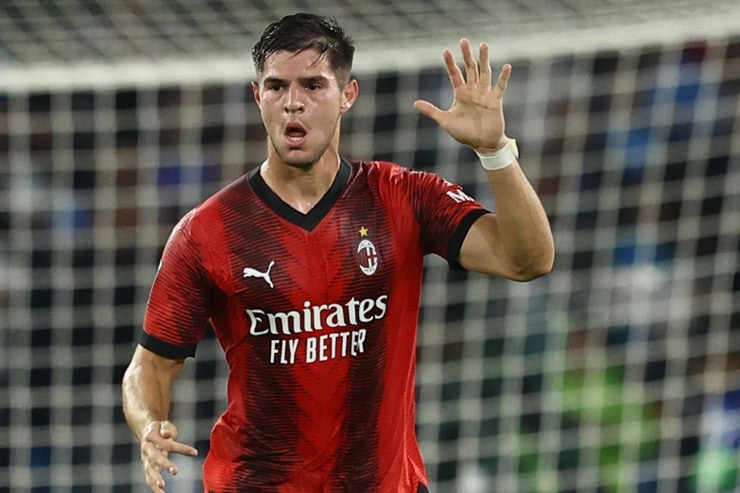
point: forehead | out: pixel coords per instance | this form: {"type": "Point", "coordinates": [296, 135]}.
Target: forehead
{"type": "Point", "coordinates": [291, 65]}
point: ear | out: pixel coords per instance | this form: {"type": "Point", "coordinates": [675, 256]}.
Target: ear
{"type": "Point", "coordinates": [256, 94]}
{"type": "Point", "coordinates": [349, 95]}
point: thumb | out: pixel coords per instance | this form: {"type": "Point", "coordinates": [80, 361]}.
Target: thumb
{"type": "Point", "coordinates": [428, 109]}
{"type": "Point", "coordinates": [167, 430]}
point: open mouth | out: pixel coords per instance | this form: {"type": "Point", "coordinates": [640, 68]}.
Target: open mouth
{"type": "Point", "coordinates": [295, 134]}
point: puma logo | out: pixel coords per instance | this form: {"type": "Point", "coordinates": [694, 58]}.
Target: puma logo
{"type": "Point", "coordinates": [249, 272]}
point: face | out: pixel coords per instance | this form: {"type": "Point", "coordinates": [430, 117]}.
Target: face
{"type": "Point", "coordinates": [301, 104]}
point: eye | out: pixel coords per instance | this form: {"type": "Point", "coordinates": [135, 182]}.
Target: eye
{"type": "Point", "coordinates": [273, 86]}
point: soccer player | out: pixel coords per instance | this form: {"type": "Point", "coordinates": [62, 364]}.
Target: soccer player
{"type": "Point", "coordinates": [309, 270]}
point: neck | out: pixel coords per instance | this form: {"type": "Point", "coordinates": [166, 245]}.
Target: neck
{"type": "Point", "coordinates": [301, 187]}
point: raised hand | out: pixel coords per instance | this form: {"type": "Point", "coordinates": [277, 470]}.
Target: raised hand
{"type": "Point", "coordinates": [158, 441]}
{"type": "Point", "coordinates": [476, 116]}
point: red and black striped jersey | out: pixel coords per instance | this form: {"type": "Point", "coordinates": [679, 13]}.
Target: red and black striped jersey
{"type": "Point", "coordinates": [317, 316]}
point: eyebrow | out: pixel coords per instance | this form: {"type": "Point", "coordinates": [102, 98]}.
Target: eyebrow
{"type": "Point", "coordinates": [303, 80]}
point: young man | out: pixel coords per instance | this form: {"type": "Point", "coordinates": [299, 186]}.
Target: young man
{"type": "Point", "coordinates": [309, 271]}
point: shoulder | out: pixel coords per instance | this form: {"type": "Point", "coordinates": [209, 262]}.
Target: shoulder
{"type": "Point", "coordinates": [379, 167]}
{"type": "Point", "coordinates": [210, 210]}
{"type": "Point", "coordinates": [387, 171]}
{"type": "Point", "coordinates": [238, 190]}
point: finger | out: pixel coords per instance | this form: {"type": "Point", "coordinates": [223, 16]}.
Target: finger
{"type": "Point", "coordinates": [471, 66]}
{"type": "Point", "coordinates": [154, 479]}
{"type": "Point", "coordinates": [503, 81]}
{"type": "Point", "coordinates": [165, 440]}
{"type": "Point", "coordinates": [456, 77]}
{"type": "Point", "coordinates": [485, 65]}
{"type": "Point", "coordinates": [156, 485]}
{"type": "Point", "coordinates": [163, 446]}
{"type": "Point", "coordinates": [167, 430]}
{"type": "Point", "coordinates": [156, 458]}
{"type": "Point", "coordinates": [181, 448]}
{"type": "Point", "coordinates": [428, 109]}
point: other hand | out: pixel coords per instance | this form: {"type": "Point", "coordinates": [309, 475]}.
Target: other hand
{"type": "Point", "coordinates": [158, 441]}
{"type": "Point", "coordinates": [476, 116]}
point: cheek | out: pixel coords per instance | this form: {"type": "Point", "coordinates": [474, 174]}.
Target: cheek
{"type": "Point", "coordinates": [328, 124]}
{"type": "Point", "coordinates": [268, 101]}
{"type": "Point", "coordinates": [329, 112]}
{"type": "Point", "coordinates": [268, 114]}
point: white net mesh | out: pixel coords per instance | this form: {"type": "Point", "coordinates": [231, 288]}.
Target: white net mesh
{"type": "Point", "coordinates": [617, 372]}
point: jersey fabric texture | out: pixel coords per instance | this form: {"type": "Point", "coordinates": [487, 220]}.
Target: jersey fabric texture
{"type": "Point", "coordinates": [317, 316]}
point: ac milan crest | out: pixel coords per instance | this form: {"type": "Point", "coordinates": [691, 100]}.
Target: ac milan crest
{"type": "Point", "coordinates": [368, 257]}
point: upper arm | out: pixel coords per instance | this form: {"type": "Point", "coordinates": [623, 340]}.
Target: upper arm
{"type": "Point", "coordinates": [441, 209]}
{"type": "Point", "coordinates": [179, 303]}
{"type": "Point", "coordinates": [482, 250]}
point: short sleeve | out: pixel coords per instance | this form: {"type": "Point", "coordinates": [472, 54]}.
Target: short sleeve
{"type": "Point", "coordinates": [444, 212]}
{"type": "Point", "coordinates": [179, 304]}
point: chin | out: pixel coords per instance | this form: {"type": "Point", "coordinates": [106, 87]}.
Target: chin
{"type": "Point", "coordinates": [299, 164]}
{"type": "Point", "coordinates": [300, 158]}
{"type": "Point", "coordinates": [298, 161]}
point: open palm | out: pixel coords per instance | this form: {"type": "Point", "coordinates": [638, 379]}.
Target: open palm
{"type": "Point", "coordinates": [476, 116]}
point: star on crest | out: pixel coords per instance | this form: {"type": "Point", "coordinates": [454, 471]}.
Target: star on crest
{"type": "Point", "coordinates": [363, 231]}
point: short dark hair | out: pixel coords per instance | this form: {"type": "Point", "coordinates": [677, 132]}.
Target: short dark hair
{"type": "Point", "coordinates": [299, 32]}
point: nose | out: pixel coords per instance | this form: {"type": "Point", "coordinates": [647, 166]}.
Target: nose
{"type": "Point", "coordinates": [293, 101]}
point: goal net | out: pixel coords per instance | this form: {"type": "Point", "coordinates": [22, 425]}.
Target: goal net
{"type": "Point", "coordinates": [618, 372]}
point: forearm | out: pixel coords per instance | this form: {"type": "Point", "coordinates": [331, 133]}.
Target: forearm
{"type": "Point", "coordinates": [523, 227]}
{"type": "Point", "coordinates": [146, 396]}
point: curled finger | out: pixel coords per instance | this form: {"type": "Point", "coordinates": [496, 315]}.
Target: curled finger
{"type": "Point", "coordinates": [157, 459]}
{"type": "Point", "coordinates": [154, 478]}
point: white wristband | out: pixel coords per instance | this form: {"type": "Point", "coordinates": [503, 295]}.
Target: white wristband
{"type": "Point", "coordinates": [501, 158]}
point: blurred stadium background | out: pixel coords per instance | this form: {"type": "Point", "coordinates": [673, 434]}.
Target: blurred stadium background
{"type": "Point", "coordinates": [619, 372]}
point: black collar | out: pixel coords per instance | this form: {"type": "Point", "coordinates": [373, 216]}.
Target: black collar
{"type": "Point", "coordinates": [317, 213]}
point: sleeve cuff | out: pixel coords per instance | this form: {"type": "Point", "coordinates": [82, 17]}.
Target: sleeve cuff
{"type": "Point", "coordinates": [166, 349]}
{"type": "Point", "coordinates": [456, 241]}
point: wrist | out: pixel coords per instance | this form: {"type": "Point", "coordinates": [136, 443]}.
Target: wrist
{"type": "Point", "coordinates": [500, 158]}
